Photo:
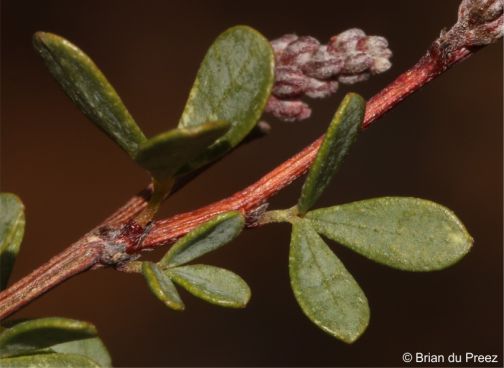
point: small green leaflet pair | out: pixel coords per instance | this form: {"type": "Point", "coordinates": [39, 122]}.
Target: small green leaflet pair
{"type": "Point", "coordinates": [405, 233]}
{"type": "Point", "coordinates": [227, 99]}
{"type": "Point", "coordinates": [212, 284]}
{"type": "Point", "coordinates": [51, 342]}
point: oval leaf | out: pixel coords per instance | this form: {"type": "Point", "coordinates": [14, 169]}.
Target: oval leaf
{"type": "Point", "coordinates": [12, 224]}
{"type": "Point", "coordinates": [50, 360]}
{"type": "Point", "coordinates": [211, 235]}
{"type": "Point", "coordinates": [213, 284]}
{"type": "Point", "coordinates": [337, 142]}
{"type": "Point", "coordinates": [92, 348]}
{"type": "Point", "coordinates": [88, 88]}
{"type": "Point", "coordinates": [42, 333]}
{"type": "Point", "coordinates": [165, 153]}
{"type": "Point", "coordinates": [161, 286]}
{"type": "Point", "coordinates": [325, 290]}
{"type": "Point", "coordinates": [406, 233]}
{"type": "Point", "coordinates": [233, 84]}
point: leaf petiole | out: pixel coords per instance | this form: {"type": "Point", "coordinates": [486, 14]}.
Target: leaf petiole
{"type": "Point", "coordinates": [287, 215]}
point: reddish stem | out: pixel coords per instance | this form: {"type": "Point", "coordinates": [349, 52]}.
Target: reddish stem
{"type": "Point", "coordinates": [77, 258]}
{"type": "Point", "coordinates": [249, 199]}
{"type": "Point", "coordinates": [87, 253]}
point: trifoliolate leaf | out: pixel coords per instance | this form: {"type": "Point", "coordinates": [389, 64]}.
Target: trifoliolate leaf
{"type": "Point", "coordinates": [233, 84]}
{"type": "Point", "coordinates": [37, 334]}
{"type": "Point", "coordinates": [406, 233]}
{"type": "Point", "coordinates": [49, 360]}
{"type": "Point", "coordinates": [161, 286]}
{"type": "Point", "coordinates": [12, 224]}
{"type": "Point", "coordinates": [325, 290]}
{"type": "Point", "coordinates": [213, 284]}
{"type": "Point", "coordinates": [92, 348]}
{"type": "Point", "coordinates": [337, 141]}
{"type": "Point", "coordinates": [164, 154]}
{"type": "Point", "coordinates": [211, 235]}
{"type": "Point", "coordinates": [88, 88]}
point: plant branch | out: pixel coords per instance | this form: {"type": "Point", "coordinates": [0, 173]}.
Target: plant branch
{"type": "Point", "coordinates": [249, 199]}
{"type": "Point", "coordinates": [116, 239]}
{"type": "Point", "coordinates": [77, 258]}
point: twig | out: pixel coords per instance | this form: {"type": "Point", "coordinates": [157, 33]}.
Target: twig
{"type": "Point", "coordinates": [168, 230]}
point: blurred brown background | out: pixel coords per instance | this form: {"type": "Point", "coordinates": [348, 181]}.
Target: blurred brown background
{"type": "Point", "coordinates": [443, 144]}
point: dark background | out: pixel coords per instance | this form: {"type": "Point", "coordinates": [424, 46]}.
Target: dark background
{"type": "Point", "coordinates": [443, 144]}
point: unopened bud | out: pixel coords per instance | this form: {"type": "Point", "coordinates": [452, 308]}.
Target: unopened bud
{"type": "Point", "coordinates": [324, 65]}
{"type": "Point", "coordinates": [346, 40]}
{"type": "Point", "coordinates": [477, 12]}
{"type": "Point", "coordinates": [300, 51]}
{"type": "Point", "coordinates": [356, 63]}
{"type": "Point", "coordinates": [352, 79]}
{"type": "Point", "coordinates": [319, 89]}
{"type": "Point", "coordinates": [480, 22]}
{"type": "Point", "coordinates": [289, 82]}
{"type": "Point", "coordinates": [287, 110]}
{"type": "Point", "coordinates": [304, 67]}
{"type": "Point", "coordinates": [280, 44]}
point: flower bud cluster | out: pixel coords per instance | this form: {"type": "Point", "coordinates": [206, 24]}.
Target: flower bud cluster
{"type": "Point", "coordinates": [306, 68]}
{"type": "Point", "coordinates": [481, 21]}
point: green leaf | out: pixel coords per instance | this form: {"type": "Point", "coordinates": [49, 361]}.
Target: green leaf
{"type": "Point", "coordinates": [12, 224]}
{"type": "Point", "coordinates": [233, 84]}
{"type": "Point", "coordinates": [88, 88]}
{"type": "Point", "coordinates": [406, 233]}
{"type": "Point", "coordinates": [161, 286]}
{"type": "Point", "coordinates": [213, 284]}
{"type": "Point", "coordinates": [164, 154]}
{"type": "Point", "coordinates": [211, 235]}
{"type": "Point", "coordinates": [42, 333]}
{"type": "Point", "coordinates": [325, 290]}
{"type": "Point", "coordinates": [337, 142]}
{"type": "Point", "coordinates": [50, 360]}
{"type": "Point", "coordinates": [92, 348]}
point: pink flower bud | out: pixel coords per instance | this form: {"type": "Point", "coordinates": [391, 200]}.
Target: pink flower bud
{"type": "Point", "coordinates": [319, 89]}
{"type": "Point", "coordinates": [356, 63]}
{"type": "Point", "coordinates": [304, 67]}
{"type": "Point", "coordinates": [300, 51]}
{"type": "Point", "coordinates": [345, 41]}
{"type": "Point", "coordinates": [288, 110]}
{"type": "Point", "coordinates": [289, 82]}
{"type": "Point", "coordinates": [352, 79]}
{"type": "Point", "coordinates": [280, 44]}
{"type": "Point", "coordinates": [324, 65]}
{"type": "Point", "coordinates": [480, 22]}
